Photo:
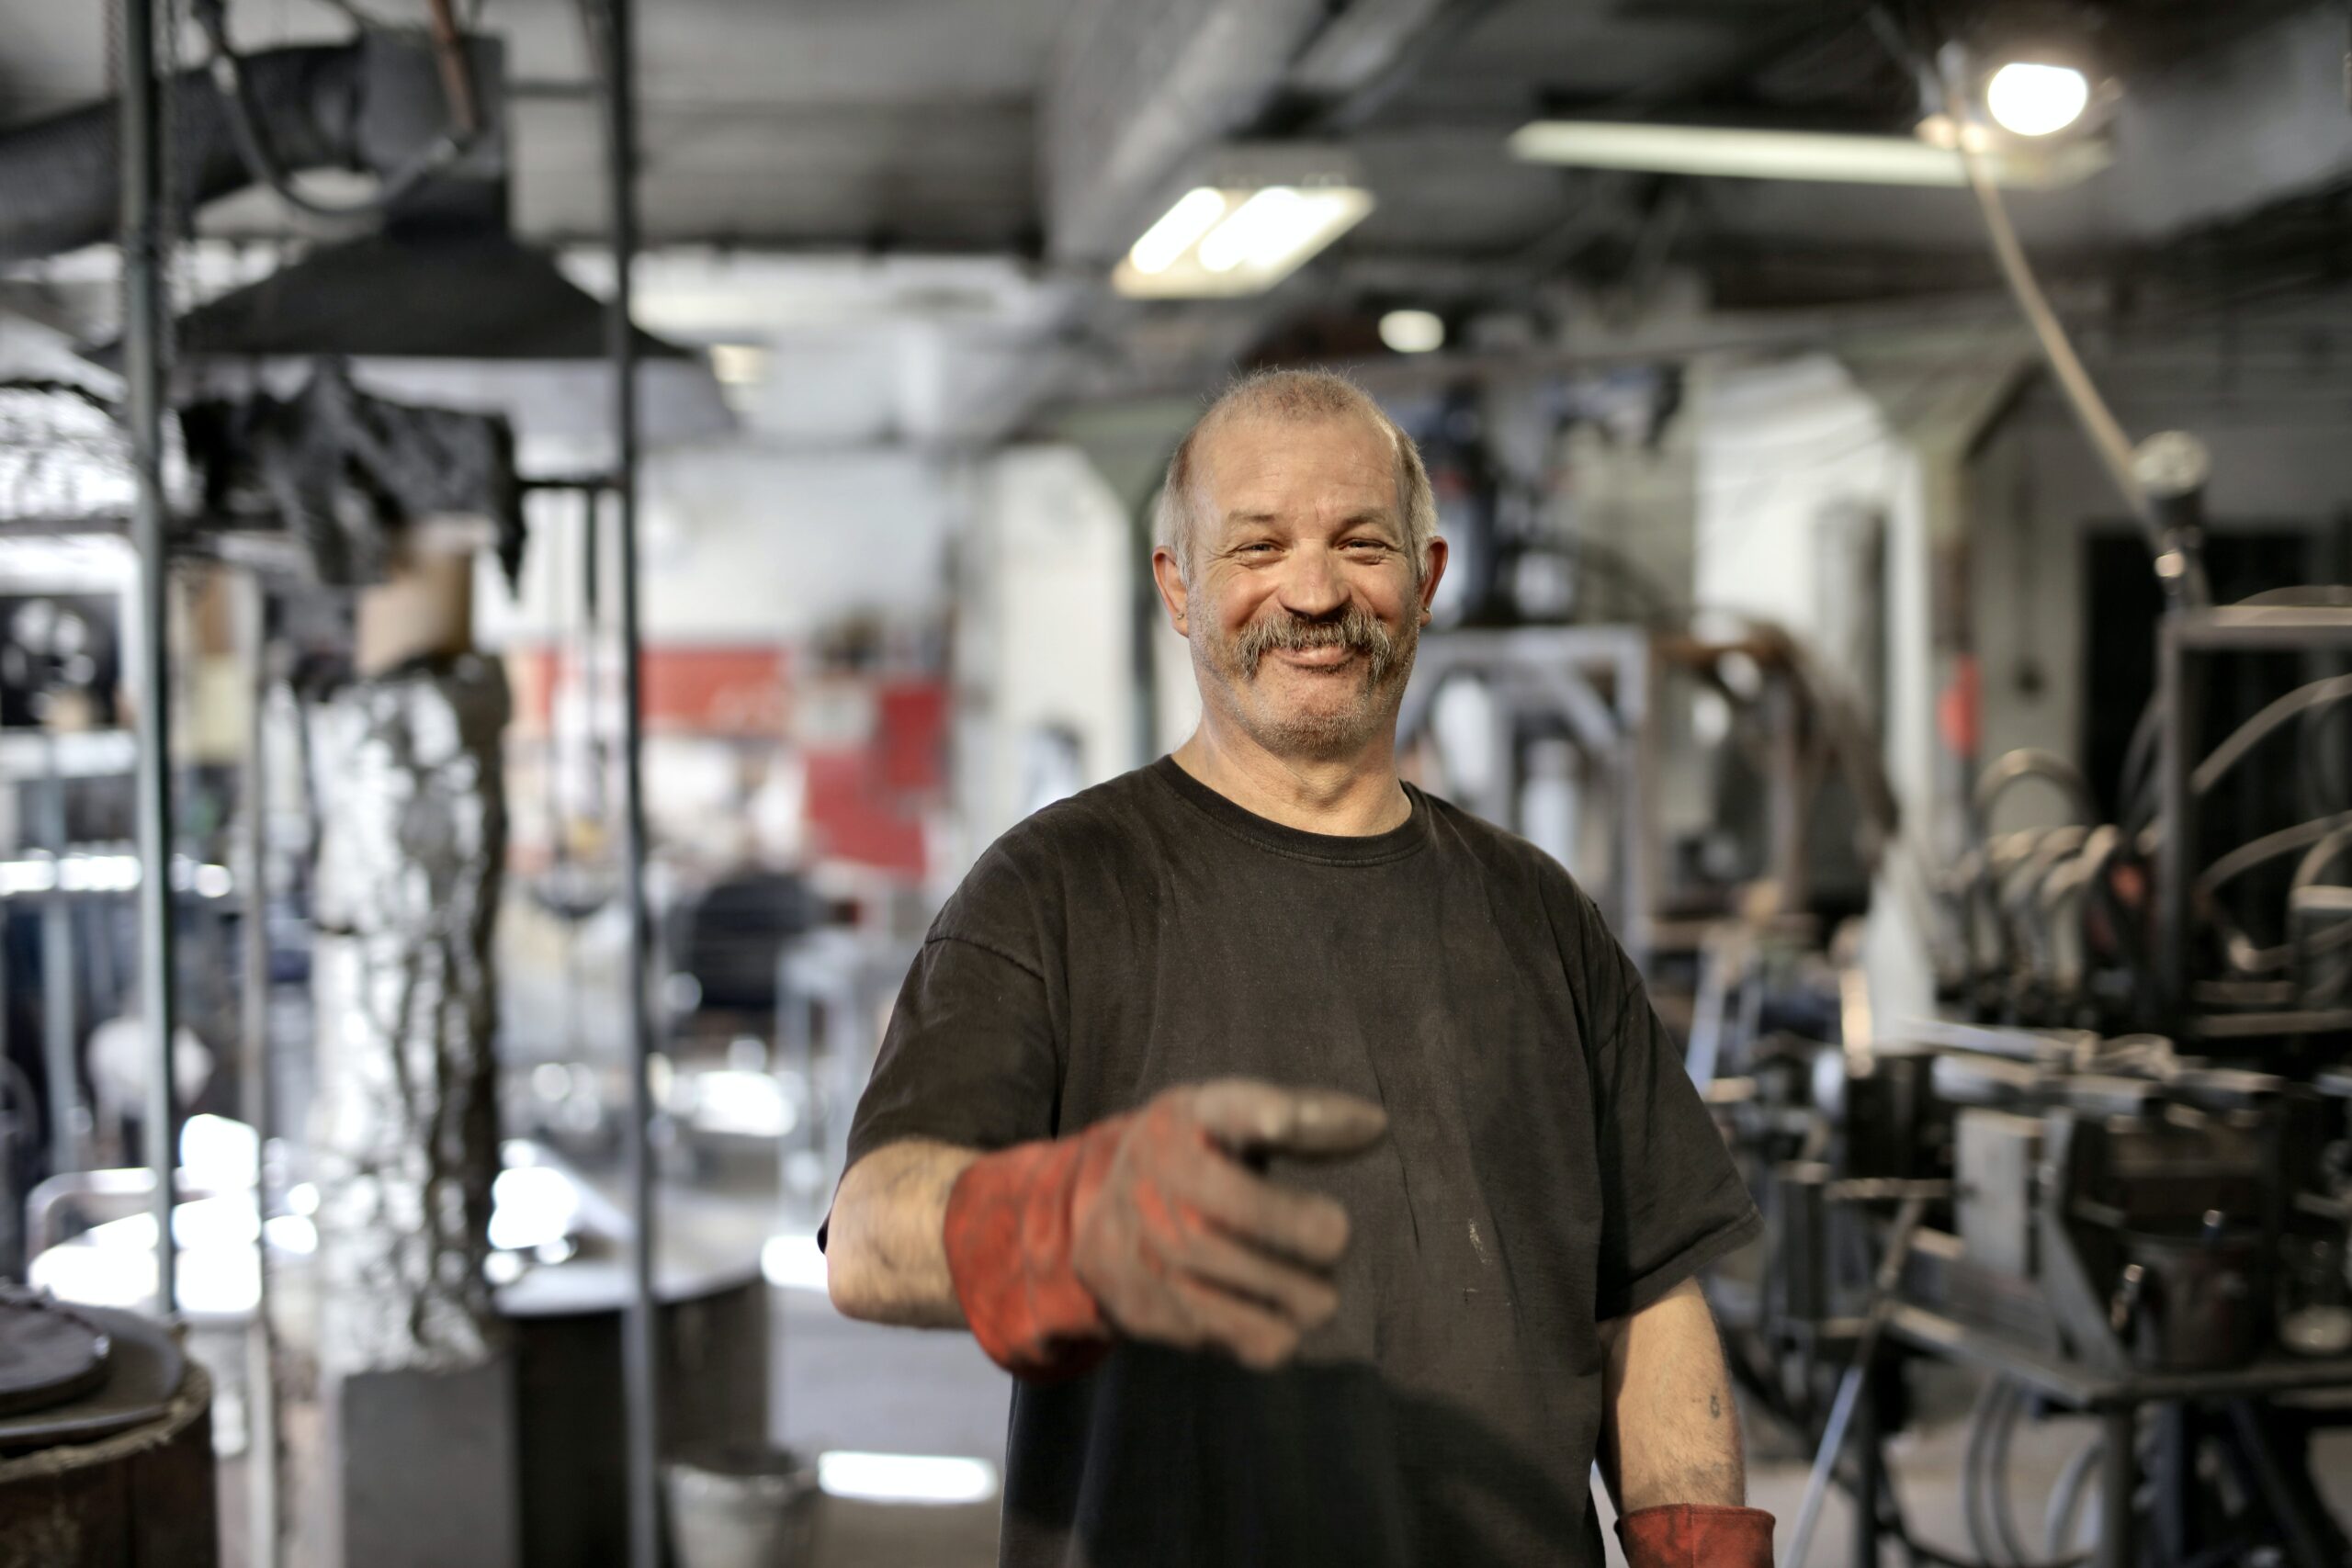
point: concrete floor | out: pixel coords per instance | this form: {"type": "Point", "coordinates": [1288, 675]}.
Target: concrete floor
{"type": "Point", "coordinates": [842, 1384]}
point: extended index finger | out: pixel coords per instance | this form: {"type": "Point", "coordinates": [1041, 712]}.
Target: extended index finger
{"type": "Point", "coordinates": [1246, 1116]}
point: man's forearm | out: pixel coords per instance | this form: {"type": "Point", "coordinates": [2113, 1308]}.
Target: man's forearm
{"type": "Point", "coordinates": [1669, 1431]}
{"type": "Point", "coordinates": [885, 1259]}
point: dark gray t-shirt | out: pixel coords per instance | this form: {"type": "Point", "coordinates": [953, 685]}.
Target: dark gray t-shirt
{"type": "Point", "coordinates": [1548, 1166]}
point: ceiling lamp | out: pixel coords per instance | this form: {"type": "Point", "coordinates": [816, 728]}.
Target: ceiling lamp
{"type": "Point", "coordinates": [1413, 331]}
{"type": "Point", "coordinates": [2029, 99]}
{"type": "Point", "coordinates": [2026, 77]}
{"type": "Point", "coordinates": [1251, 221]}
{"type": "Point", "coordinates": [1842, 158]}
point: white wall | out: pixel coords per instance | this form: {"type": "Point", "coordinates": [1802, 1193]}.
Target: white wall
{"type": "Point", "coordinates": [2277, 431]}
{"type": "Point", "coordinates": [746, 543]}
{"type": "Point", "coordinates": [1043, 635]}
{"type": "Point", "coordinates": [1786, 451]}
{"type": "Point", "coordinates": [1780, 445]}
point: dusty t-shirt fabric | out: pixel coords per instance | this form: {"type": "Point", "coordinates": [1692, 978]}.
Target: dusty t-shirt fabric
{"type": "Point", "coordinates": [1548, 1166]}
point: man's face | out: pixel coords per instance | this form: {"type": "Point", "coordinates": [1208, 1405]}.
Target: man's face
{"type": "Point", "coordinates": [1303, 610]}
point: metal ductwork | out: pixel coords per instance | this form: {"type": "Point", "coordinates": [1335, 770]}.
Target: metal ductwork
{"type": "Point", "coordinates": [440, 308]}
{"type": "Point", "coordinates": [341, 106]}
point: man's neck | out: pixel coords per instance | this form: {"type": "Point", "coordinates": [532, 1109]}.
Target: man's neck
{"type": "Point", "coordinates": [1353, 797]}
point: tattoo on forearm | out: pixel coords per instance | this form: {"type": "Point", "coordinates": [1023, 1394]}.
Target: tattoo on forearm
{"type": "Point", "coordinates": [1714, 1407]}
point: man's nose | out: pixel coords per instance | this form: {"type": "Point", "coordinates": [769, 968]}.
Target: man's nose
{"type": "Point", "coordinates": [1313, 587]}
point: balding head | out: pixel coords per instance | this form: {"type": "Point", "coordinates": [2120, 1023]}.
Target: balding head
{"type": "Point", "coordinates": [1293, 397]}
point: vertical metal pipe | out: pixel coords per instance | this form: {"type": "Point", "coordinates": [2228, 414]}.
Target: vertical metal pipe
{"type": "Point", "coordinates": [143, 356]}
{"type": "Point", "coordinates": [1869, 1468]}
{"type": "Point", "coordinates": [2177, 744]}
{"type": "Point", "coordinates": [1638, 881]}
{"type": "Point", "coordinates": [2119, 1473]}
{"type": "Point", "coordinates": [639, 1371]}
{"type": "Point", "coordinates": [253, 877]}
{"type": "Point", "coordinates": [60, 1038]}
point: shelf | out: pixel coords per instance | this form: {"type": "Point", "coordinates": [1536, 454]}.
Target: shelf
{"type": "Point", "coordinates": [29, 754]}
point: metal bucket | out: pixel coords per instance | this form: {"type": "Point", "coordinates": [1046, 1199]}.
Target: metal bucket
{"type": "Point", "coordinates": [742, 1508]}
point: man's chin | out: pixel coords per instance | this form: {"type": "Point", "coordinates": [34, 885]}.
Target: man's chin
{"type": "Point", "coordinates": [1321, 730]}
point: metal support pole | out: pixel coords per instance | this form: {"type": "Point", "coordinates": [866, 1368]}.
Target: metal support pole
{"type": "Point", "coordinates": [1852, 1389]}
{"type": "Point", "coordinates": [2177, 744]}
{"type": "Point", "coordinates": [60, 1038]}
{"type": "Point", "coordinates": [2118, 1472]}
{"type": "Point", "coordinates": [1870, 1469]}
{"type": "Point", "coordinates": [1638, 881]}
{"type": "Point", "coordinates": [2177, 1444]}
{"type": "Point", "coordinates": [257, 1103]}
{"type": "Point", "coordinates": [142, 359]}
{"type": "Point", "coordinates": [639, 1368]}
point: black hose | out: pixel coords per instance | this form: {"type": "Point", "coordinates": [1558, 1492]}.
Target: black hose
{"type": "Point", "coordinates": [2059, 1523]}
{"type": "Point", "coordinates": [1984, 1483]}
{"type": "Point", "coordinates": [1973, 1513]}
{"type": "Point", "coordinates": [58, 179]}
{"type": "Point", "coordinates": [2270, 846]}
{"type": "Point", "coordinates": [2302, 700]}
{"type": "Point", "coordinates": [1997, 1467]}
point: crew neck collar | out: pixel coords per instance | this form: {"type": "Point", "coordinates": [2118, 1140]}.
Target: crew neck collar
{"type": "Point", "coordinates": [1331, 849]}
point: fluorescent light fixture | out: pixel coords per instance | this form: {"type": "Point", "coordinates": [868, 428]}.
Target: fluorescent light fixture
{"type": "Point", "coordinates": [1793, 154]}
{"type": "Point", "coordinates": [1223, 241]}
{"type": "Point", "coordinates": [905, 1478]}
{"type": "Point", "coordinates": [1194, 214]}
{"type": "Point", "coordinates": [1413, 331]}
{"type": "Point", "coordinates": [2030, 99]}
{"type": "Point", "coordinates": [1263, 230]}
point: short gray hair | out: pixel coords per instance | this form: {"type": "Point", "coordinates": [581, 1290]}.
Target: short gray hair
{"type": "Point", "coordinates": [1298, 397]}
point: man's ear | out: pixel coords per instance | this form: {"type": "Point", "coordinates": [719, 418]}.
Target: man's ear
{"type": "Point", "coordinates": [1434, 572]}
{"type": "Point", "coordinates": [1172, 592]}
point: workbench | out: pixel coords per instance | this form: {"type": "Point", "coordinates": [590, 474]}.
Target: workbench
{"type": "Point", "coordinates": [2236, 1400]}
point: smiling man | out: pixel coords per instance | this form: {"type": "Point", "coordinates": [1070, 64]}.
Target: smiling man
{"type": "Point", "coordinates": [1305, 1146]}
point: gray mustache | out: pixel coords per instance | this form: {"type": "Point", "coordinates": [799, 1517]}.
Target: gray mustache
{"type": "Point", "coordinates": [1355, 628]}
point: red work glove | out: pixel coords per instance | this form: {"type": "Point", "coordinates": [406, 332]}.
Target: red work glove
{"type": "Point", "coordinates": [1150, 1225]}
{"type": "Point", "coordinates": [1694, 1535]}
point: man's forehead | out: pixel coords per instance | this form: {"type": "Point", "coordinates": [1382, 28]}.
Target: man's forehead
{"type": "Point", "coordinates": [1258, 466]}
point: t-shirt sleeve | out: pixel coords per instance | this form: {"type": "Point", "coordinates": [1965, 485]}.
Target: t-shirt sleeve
{"type": "Point", "coordinates": [1672, 1201]}
{"type": "Point", "coordinates": [969, 1057]}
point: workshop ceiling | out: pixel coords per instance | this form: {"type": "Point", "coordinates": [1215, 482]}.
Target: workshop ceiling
{"type": "Point", "coordinates": [898, 124]}
{"type": "Point", "coordinates": [915, 124]}
{"type": "Point", "coordinates": [1042, 135]}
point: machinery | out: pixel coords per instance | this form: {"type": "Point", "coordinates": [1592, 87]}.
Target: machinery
{"type": "Point", "coordinates": [2113, 1178]}
{"type": "Point", "coordinates": [2098, 1225]}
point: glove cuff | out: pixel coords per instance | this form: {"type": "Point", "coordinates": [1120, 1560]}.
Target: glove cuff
{"type": "Point", "coordinates": [1695, 1535]}
{"type": "Point", "coordinates": [1011, 1220]}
